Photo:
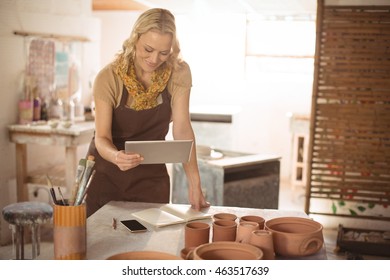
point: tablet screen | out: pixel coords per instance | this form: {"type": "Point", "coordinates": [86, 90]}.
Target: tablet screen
{"type": "Point", "coordinates": [161, 151]}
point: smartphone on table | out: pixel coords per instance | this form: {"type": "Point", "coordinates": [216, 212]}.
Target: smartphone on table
{"type": "Point", "coordinates": [134, 226]}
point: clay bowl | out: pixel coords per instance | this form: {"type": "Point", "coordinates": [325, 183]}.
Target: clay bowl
{"type": "Point", "coordinates": [227, 250]}
{"type": "Point", "coordinates": [144, 255]}
{"type": "Point", "coordinates": [294, 237]}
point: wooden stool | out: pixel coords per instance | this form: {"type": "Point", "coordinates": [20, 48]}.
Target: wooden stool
{"type": "Point", "coordinates": [29, 213]}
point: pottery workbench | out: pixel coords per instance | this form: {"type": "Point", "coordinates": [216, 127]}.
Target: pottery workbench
{"type": "Point", "coordinates": [104, 241]}
{"type": "Point", "coordinates": [72, 137]}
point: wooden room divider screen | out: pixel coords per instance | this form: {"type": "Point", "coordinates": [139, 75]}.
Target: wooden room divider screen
{"type": "Point", "coordinates": [349, 149]}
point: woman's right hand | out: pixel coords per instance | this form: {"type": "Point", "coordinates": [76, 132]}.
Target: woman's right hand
{"type": "Point", "coordinates": [126, 161]}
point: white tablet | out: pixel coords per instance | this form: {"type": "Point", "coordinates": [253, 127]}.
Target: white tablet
{"type": "Point", "coordinates": [161, 151]}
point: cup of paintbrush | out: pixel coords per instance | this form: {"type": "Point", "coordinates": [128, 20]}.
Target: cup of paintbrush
{"type": "Point", "coordinates": [70, 232]}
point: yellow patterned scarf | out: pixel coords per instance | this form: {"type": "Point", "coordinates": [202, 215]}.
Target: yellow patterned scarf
{"type": "Point", "coordinates": [144, 99]}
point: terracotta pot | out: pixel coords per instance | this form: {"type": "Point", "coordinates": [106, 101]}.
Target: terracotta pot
{"type": "Point", "coordinates": [224, 230]}
{"type": "Point", "coordinates": [294, 236]}
{"type": "Point", "coordinates": [244, 231]}
{"type": "Point", "coordinates": [196, 233]}
{"type": "Point", "coordinates": [144, 255]}
{"type": "Point", "coordinates": [253, 218]}
{"type": "Point", "coordinates": [70, 232]}
{"type": "Point", "coordinates": [224, 216]}
{"type": "Point", "coordinates": [227, 250]}
{"type": "Point", "coordinates": [263, 239]}
{"type": "Point", "coordinates": [185, 253]}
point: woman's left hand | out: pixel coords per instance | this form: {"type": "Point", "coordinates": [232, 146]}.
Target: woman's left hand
{"type": "Point", "coordinates": [197, 198]}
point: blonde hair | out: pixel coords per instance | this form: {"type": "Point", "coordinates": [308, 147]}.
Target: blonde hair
{"type": "Point", "coordinates": [158, 19]}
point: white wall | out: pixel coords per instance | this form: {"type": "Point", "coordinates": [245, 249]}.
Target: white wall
{"type": "Point", "coordinates": [212, 44]}
{"type": "Point", "coordinates": [44, 16]}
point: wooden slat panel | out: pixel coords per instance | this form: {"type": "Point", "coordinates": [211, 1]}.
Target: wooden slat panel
{"type": "Point", "coordinates": [349, 150]}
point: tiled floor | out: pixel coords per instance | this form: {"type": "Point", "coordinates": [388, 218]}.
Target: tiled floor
{"type": "Point", "coordinates": [289, 199]}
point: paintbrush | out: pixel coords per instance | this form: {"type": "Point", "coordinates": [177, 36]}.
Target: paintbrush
{"type": "Point", "coordinates": [49, 182]}
{"type": "Point", "coordinates": [84, 195]}
{"type": "Point", "coordinates": [62, 197]}
{"type": "Point", "coordinates": [53, 195]}
{"type": "Point", "coordinates": [79, 175]}
{"type": "Point", "coordinates": [52, 191]}
{"type": "Point", "coordinates": [86, 176]}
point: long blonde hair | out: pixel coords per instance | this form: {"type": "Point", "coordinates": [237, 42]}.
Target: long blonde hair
{"type": "Point", "coordinates": [158, 19]}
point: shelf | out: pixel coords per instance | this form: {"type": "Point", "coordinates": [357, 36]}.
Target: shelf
{"type": "Point", "coordinates": [58, 37]}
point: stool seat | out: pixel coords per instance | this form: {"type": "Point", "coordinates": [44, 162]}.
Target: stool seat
{"type": "Point", "coordinates": [29, 213]}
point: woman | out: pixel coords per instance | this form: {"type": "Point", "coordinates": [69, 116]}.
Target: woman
{"type": "Point", "coordinates": [136, 97]}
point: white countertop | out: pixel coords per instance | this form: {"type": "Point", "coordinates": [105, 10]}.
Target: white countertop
{"type": "Point", "coordinates": [228, 162]}
{"type": "Point", "coordinates": [103, 241]}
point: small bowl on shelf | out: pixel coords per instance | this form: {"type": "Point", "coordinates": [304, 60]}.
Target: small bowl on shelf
{"type": "Point", "coordinates": [53, 123]}
{"type": "Point", "coordinates": [66, 124]}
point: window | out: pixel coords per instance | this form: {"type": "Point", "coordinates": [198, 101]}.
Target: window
{"type": "Point", "coordinates": [280, 45]}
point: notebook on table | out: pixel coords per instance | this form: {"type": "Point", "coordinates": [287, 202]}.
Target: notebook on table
{"type": "Point", "coordinates": [171, 214]}
{"type": "Point", "coordinates": [161, 151]}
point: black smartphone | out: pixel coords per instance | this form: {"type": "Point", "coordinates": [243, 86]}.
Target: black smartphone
{"type": "Point", "coordinates": [134, 225]}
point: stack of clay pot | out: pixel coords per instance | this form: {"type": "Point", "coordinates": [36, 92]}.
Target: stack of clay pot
{"type": "Point", "coordinates": [251, 237]}
{"type": "Point", "coordinates": [230, 240]}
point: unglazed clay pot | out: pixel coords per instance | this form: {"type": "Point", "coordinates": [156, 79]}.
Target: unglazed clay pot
{"type": "Point", "coordinates": [227, 250]}
{"type": "Point", "coordinates": [244, 231]}
{"type": "Point", "coordinates": [224, 216]}
{"type": "Point", "coordinates": [224, 230]}
{"type": "Point", "coordinates": [294, 236]}
{"type": "Point", "coordinates": [144, 255]}
{"type": "Point", "coordinates": [196, 233]}
{"type": "Point", "coordinates": [253, 218]}
{"type": "Point", "coordinates": [263, 239]}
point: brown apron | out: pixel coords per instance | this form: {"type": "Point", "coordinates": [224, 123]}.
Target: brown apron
{"type": "Point", "coordinates": [146, 182]}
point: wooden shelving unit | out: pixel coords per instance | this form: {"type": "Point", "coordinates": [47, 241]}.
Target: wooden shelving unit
{"type": "Point", "coordinates": [349, 150]}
